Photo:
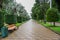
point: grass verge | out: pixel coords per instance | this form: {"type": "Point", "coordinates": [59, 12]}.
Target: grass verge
{"type": "Point", "coordinates": [18, 24]}
{"type": "Point", "coordinates": [56, 29]}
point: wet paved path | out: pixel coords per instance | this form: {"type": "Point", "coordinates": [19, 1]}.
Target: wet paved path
{"type": "Point", "coordinates": [31, 30]}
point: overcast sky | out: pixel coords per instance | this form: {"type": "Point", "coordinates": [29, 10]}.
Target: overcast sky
{"type": "Point", "coordinates": [28, 4]}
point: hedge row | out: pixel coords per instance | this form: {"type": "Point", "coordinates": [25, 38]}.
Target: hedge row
{"type": "Point", "coordinates": [19, 19]}
{"type": "Point", "coordinates": [1, 18]}
{"type": "Point", "coordinates": [10, 19]}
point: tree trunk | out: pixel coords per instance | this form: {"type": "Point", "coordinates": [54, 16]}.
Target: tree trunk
{"type": "Point", "coordinates": [53, 23]}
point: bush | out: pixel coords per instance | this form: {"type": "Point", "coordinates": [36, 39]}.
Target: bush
{"type": "Point", "coordinates": [1, 18]}
{"type": "Point", "coordinates": [19, 19]}
{"type": "Point", "coordinates": [10, 19]}
{"type": "Point", "coordinates": [52, 15]}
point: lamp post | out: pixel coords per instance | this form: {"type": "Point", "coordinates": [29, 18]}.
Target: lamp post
{"type": "Point", "coordinates": [50, 3]}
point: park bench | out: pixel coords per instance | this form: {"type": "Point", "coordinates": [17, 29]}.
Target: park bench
{"type": "Point", "coordinates": [12, 27]}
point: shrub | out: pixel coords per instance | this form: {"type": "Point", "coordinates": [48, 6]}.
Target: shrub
{"type": "Point", "coordinates": [19, 19]}
{"type": "Point", "coordinates": [1, 18]}
{"type": "Point", "coordinates": [10, 19]}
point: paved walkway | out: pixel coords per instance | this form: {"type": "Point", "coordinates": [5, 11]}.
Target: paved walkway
{"type": "Point", "coordinates": [31, 30]}
{"type": "Point", "coordinates": [57, 23]}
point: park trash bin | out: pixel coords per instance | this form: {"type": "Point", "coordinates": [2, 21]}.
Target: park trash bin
{"type": "Point", "coordinates": [4, 31]}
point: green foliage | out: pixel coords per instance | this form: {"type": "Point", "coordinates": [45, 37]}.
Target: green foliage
{"type": "Point", "coordinates": [1, 18]}
{"type": "Point", "coordinates": [35, 11]}
{"type": "Point", "coordinates": [52, 15]}
{"type": "Point", "coordinates": [10, 9]}
{"type": "Point", "coordinates": [54, 4]}
{"type": "Point", "coordinates": [19, 19]}
{"type": "Point", "coordinates": [3, 3]}
{"type": "Point", "coordinates": [11, 19]}
{"type": "Point", "coordinates": [58, 4]}
{"type": "Point", "coordinates": [37, 1]}
{"type": "Point", "coordinates": [39, 10]}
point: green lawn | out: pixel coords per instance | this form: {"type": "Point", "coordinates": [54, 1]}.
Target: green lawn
{"type": "Point", "coordinates": [59, 21]}
{"type": "Point", "coordinates": [56, 29]}
{"type": "Point", "coordinates": [50, 26]}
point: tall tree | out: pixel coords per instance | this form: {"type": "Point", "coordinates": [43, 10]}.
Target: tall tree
{"type": "Point", "coordinates": [52, 15]}
{"type": "Point", "coordinates": [39, 10]}
{"type": "Point", "coordinates": [58, 4]}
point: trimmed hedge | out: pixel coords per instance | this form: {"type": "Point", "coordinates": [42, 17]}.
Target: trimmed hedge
{"type": "Point", "coordinates": [19, 19]}
{"type": "Point", "coordinates": [10, 19]}
{"type": "Point", "coordinates": [1, 18]}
